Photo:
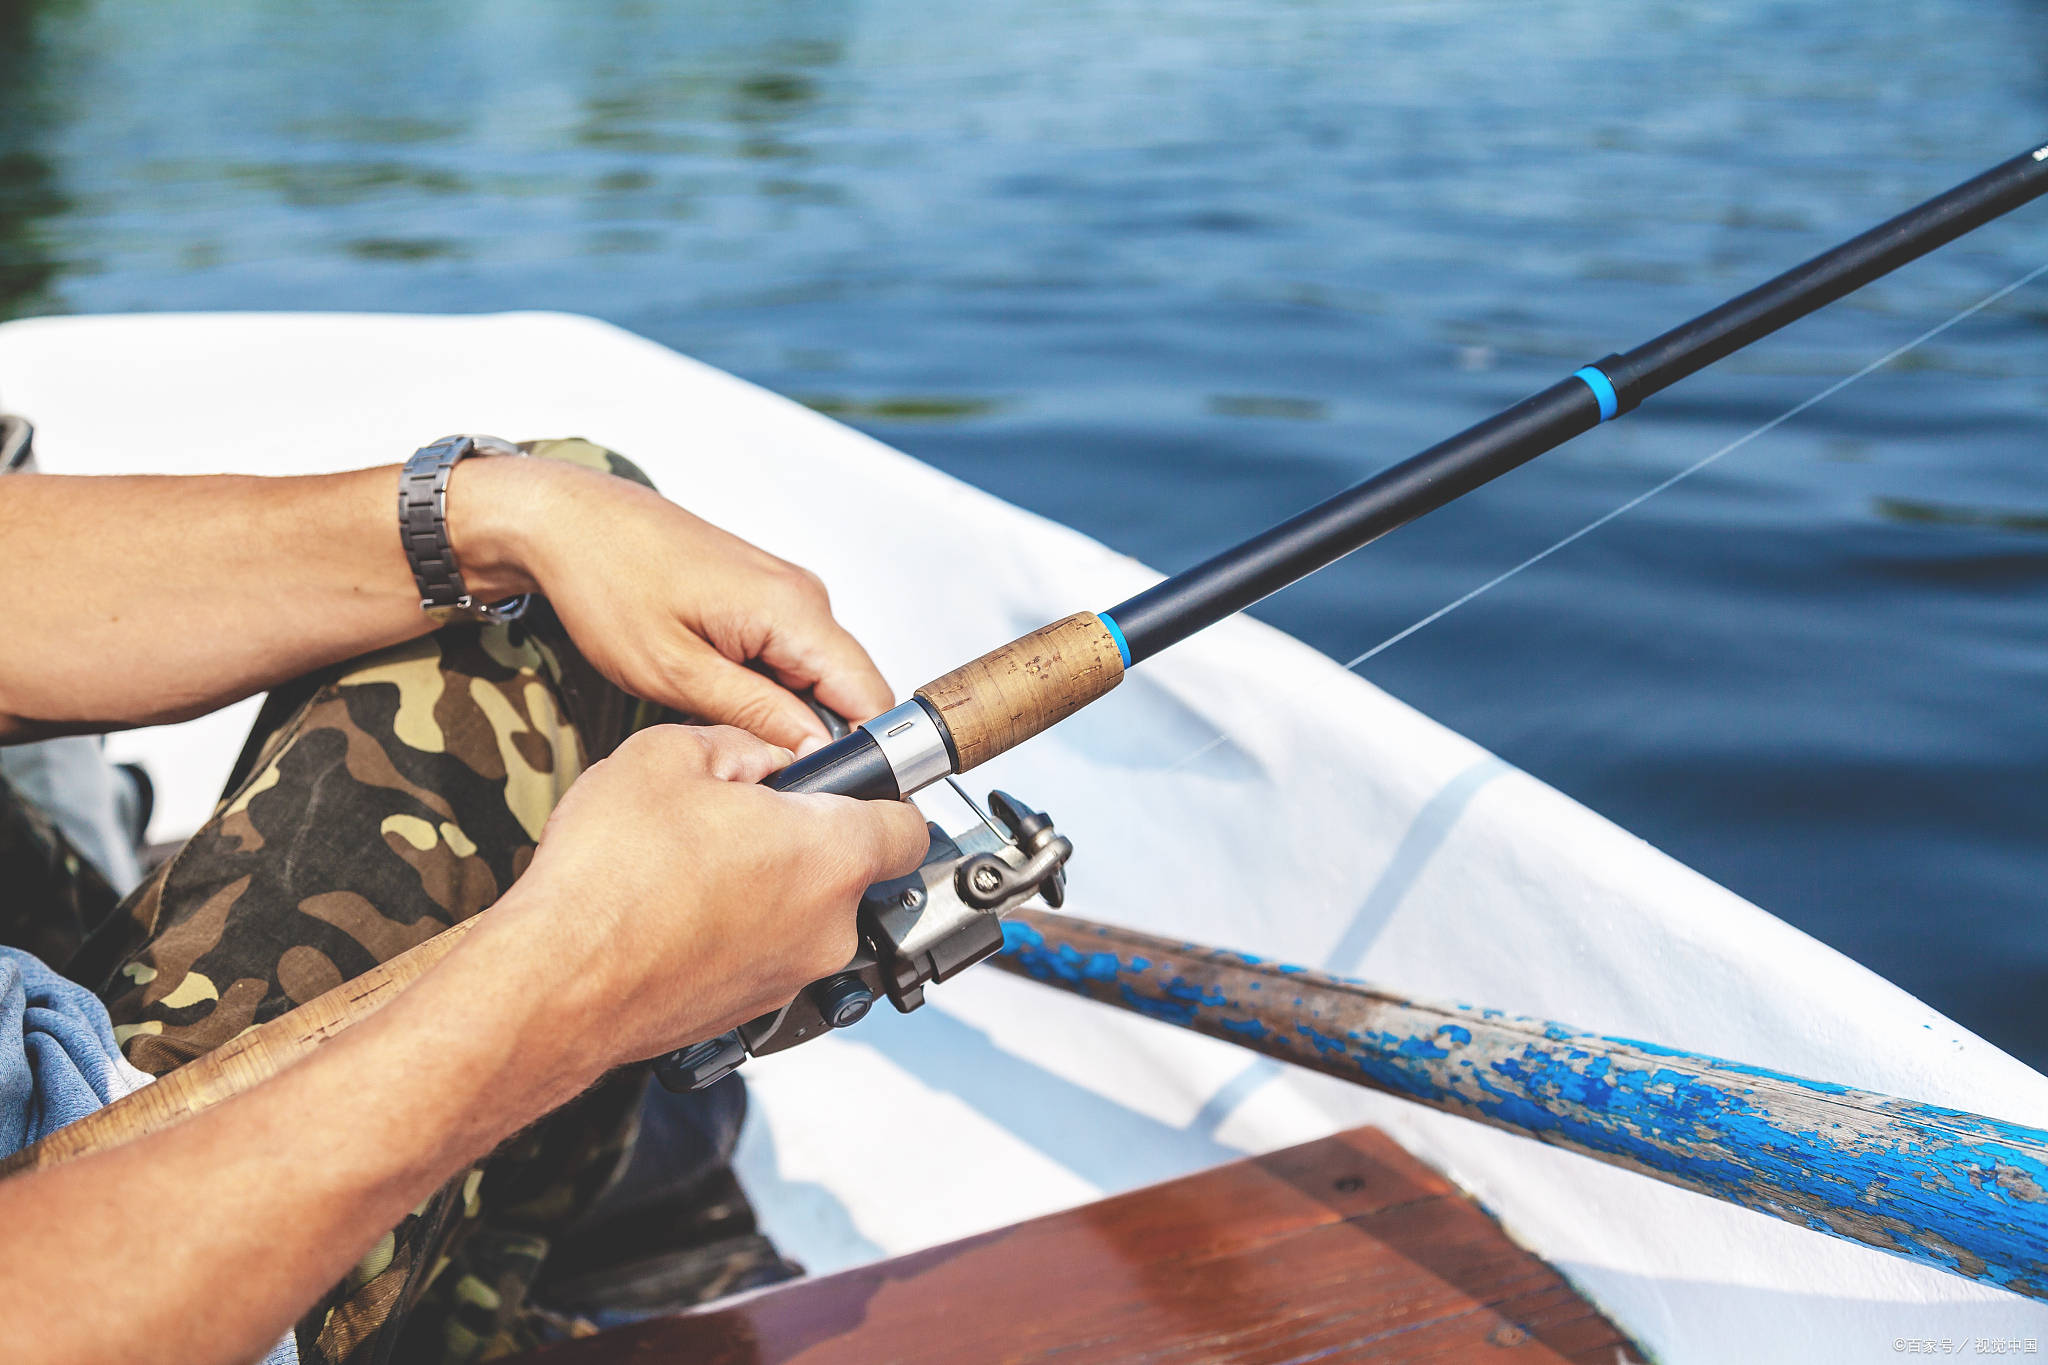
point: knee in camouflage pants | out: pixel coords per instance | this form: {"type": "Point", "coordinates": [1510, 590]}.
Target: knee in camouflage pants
{"type": "Point", "coordinates": [376, 804]}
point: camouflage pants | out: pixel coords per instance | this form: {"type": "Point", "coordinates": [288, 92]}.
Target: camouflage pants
{"type": "Point", "coordinates": [376, 804]}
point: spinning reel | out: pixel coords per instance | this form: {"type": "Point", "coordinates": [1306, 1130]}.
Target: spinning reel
{"type": "Point", "coordinates": [928, 926]}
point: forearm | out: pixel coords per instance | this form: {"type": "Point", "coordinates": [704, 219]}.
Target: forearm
{"type": "Point", "coordinates": [252, 1209]}
{"type": "Point", "coordinates": [138, 600]}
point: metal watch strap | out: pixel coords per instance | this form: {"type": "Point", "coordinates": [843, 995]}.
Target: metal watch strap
{"type": "Point", "coordinates": [423, 528]}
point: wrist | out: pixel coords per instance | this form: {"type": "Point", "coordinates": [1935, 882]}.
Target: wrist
{"type": "Point", "coordinates": [493, 511]}
{"type": "Point", "coordinates": [540, 997]}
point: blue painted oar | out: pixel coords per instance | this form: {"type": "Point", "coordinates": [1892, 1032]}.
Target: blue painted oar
{"type": "Point", "coordinates": [1959, 1191]}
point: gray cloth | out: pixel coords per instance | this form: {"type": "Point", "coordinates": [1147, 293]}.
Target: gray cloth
{"type": "Point", "coordinates": [70, 780]}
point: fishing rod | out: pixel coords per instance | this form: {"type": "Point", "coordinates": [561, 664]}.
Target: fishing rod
{"type": "Point", "coordinates": [976, 712]}
{"type": "Point", "coordinates": [946, 918]}
{"type": "Point", "coordinates": [948, 915]}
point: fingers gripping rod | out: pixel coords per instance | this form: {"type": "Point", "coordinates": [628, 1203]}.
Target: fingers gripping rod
{"type": "Point", "coordinates": [946, 916]}
{"type": "Point", "coordinates": [960, 721]}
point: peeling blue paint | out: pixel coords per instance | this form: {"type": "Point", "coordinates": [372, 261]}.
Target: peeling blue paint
{"type": "Point", "coordinates": [1180, 989]}
{"type": "Point", "coordinates": [1169, 1011]}
{"type": "Point", "coordinates": [1822, 1087]}
{"type": "Point", "coordinates": [1020, 937]}
{"type": "Point", "coordinates": [1419, 1047]}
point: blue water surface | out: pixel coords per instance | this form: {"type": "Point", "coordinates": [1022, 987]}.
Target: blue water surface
{"type": "Point", "coordinates": [1167, 272]}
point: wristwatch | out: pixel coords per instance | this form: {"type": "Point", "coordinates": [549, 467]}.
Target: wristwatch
{"type": "Point", "coordinates": [423, 527]}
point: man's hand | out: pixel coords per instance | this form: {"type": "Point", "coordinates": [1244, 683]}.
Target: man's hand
{"type": "Point", "coordinates": [678, 899]}
{"type": "Point", "coordinates": [670, 899]}
{"type": "Point", "coordinates": [665, 604]}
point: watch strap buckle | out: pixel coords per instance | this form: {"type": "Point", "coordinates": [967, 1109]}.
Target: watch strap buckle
{"type": "Point", "coordinates": [423, 529]}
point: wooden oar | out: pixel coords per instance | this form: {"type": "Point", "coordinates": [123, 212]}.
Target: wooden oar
{"type": "Point", "coordinates": [253, 1057]}
{"type": "Point", "coordinates": [1957, 1191]}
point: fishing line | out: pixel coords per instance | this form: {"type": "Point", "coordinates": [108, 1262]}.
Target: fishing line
{"type": "Point", "coordinates": [1682, 475]}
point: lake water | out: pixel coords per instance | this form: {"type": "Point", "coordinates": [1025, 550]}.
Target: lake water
{"type": "Point", "coordinates": [1170, 272]}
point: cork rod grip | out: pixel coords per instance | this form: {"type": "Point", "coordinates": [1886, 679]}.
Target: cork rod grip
{"type": "Point", "coordinates": [242, 1064]}
{"type": "Point", "coordinates": [1010, 694]}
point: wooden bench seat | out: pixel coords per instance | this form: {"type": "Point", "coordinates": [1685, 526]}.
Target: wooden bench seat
{"type": "Point", "coordinates": [1346, 1248]}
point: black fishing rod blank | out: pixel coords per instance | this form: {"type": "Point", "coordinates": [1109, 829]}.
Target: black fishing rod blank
{"type": "Point", "coordinates": [1006, 696]}
{"type": "Point", "coordinates": [1198, 598]}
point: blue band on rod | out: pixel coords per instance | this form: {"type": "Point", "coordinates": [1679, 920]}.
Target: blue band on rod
{"type": "Point", "coordinates": [1116, 633]}
{"type": "Point", "coordinates": [1603, 389]}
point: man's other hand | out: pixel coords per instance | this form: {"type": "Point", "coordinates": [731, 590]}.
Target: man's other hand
{"type": "Point", "coordinates": [680, 899]}
{"type": "Point", "coordinates": [665, 604]}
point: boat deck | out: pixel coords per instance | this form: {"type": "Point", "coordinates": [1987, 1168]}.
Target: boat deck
{"type": "Point", "coordinates": [1345, 1248]}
